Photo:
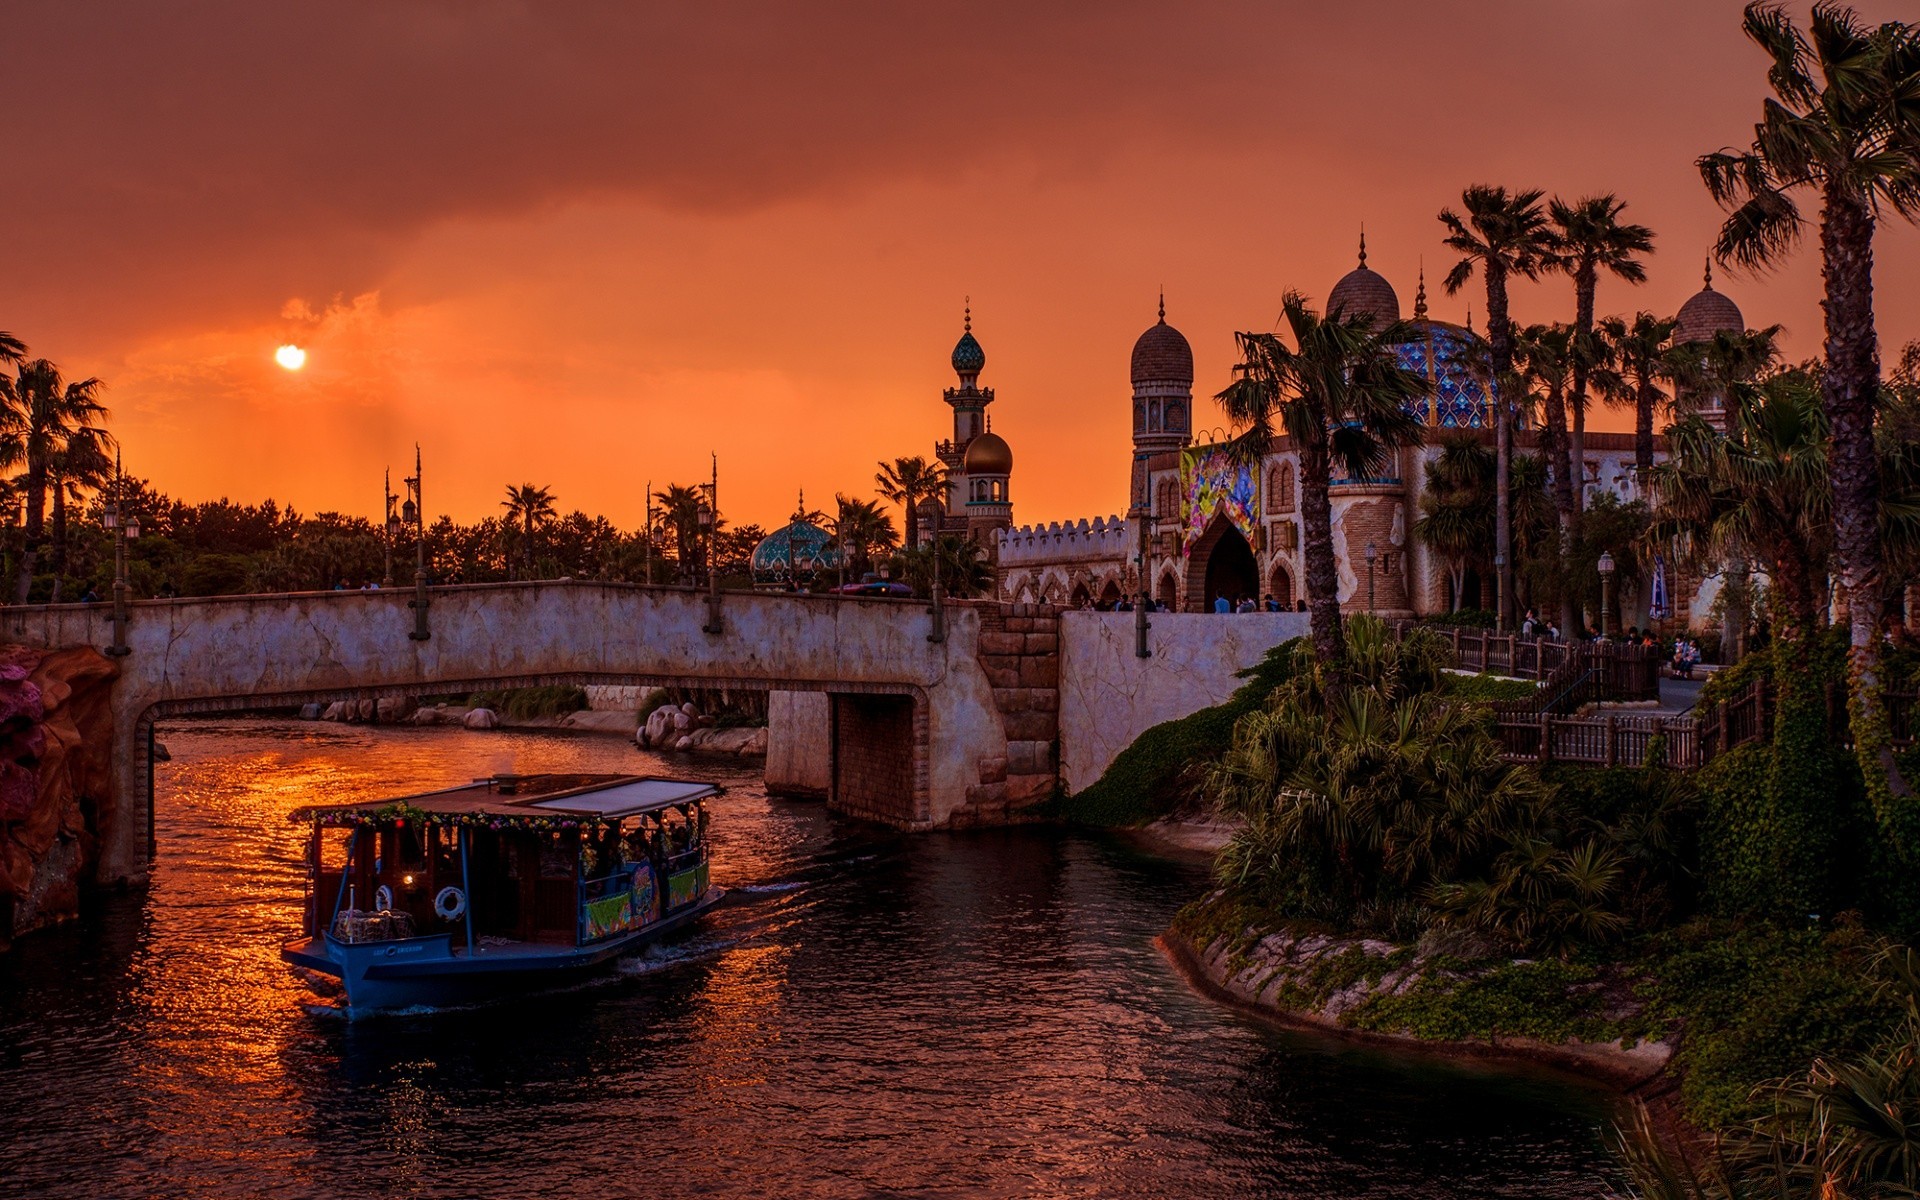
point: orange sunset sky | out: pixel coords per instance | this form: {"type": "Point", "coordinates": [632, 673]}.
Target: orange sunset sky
{"type": "Point", "coordinates": [583, 244]}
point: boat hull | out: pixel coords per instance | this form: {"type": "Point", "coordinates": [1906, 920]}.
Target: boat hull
{"type": "Point", "coordinates": [430, 972]}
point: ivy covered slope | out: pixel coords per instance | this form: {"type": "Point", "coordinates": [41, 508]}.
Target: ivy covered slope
{"type": "Point", "coordinates": [1162, 771]}
{"type": "Point", "coordinates": [1392, 875]}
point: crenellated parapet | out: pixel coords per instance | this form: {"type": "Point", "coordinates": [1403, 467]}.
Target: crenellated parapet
{"type": "Point", "coordinates": [1102, 538]}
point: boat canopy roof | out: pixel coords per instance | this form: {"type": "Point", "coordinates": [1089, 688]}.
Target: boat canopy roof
{"type": "Point", "coordinates": [523, 797]}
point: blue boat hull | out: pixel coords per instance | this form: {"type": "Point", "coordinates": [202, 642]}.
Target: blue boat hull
{"type": "Point", "coordinates": [429, 972]}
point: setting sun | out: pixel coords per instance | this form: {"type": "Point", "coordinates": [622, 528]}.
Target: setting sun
{"type": "Point", "coordinates": [291, 357]}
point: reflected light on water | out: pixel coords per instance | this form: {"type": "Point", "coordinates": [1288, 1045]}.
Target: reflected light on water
{"type": "Point", "coordinates": [871, 1013]}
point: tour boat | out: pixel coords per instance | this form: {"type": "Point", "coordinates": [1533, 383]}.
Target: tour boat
{"type": "Point", "coordinates": [507, 884]}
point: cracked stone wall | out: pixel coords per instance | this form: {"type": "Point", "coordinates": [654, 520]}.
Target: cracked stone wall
{"type": "Point", "coordinates": [1108, 696]}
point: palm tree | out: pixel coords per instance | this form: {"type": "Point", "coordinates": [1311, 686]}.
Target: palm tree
{"type": "Point", "coordinates": [911, 482]}
{"type": "Point", "coordinates": [12, 349]}
{"type": "Point", "coordinates": [1593, 239]}
{"type": "Point", "coordinates": [1503, 234]}
{"type": "Point", "coordinates": [1545, 358]}
{"type": "Point", "coordinates": [528, 506]}
{"type": "Point", "coordinates": [1456, 507]}
{"type": "Point", "coordinates": [1341, 396]}
{"type": "Point", "coordinates": [861, 528]}
{"type": "Point", "coordinates": [1842, 124]}
{"type": "Point", "coordinates": [1642, 360]}
{"type": "Point", "coordinates": [44, 411]}
{"type": "Point", "coordinates": [677, 517]}
{"type": "Point", "coordinates": [85, 464]}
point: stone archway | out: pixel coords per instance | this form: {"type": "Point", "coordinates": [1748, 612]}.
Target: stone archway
{"type": "Point", "coordinates": [1109, 595]}
{"type": "Point", "coordinates": [1080, 597]}
{"type": "Point", "coordinates": [1221, 564]}
{"type": "Point", "coordinates": [1280, 586]}
{"type": "Point", "coordinates": [1169, 593]}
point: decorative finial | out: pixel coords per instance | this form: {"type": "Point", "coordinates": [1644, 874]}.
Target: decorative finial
{"type": "Point", "coordinates": [1363, 245]}
{"type": "Point", "coordinates": [1469, 318]}
{"type": "Point", "coordinates": [1163, 304]}
{"type": "Point", "coordinates": [967, 315]}
{"type": "Point", "coordinates": [1420, 296]}
{"type": "Point", "coordinates": [1709, 271]}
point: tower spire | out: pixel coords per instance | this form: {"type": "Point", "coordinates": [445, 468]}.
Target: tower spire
{"type": "Point", "coordinates": [1709, 270]}
{"type": "Point", "coordinates": [1163, 304]}
{"type": "Point", "coordinates": [966, 317]}
{"type": "Point", "coordinates": [1420, 296]}
{"type": "Point", "coordinates": [1363, 245]}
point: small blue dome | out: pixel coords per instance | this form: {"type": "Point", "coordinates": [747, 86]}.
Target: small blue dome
{"type": "Point", "coordinates": [968, 357]}
{"type": "Point", "coordinates": [794, 553]}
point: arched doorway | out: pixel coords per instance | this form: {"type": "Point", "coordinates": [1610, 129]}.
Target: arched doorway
{"type": "Point", "coordinates": [1280, 586]}
{"type": "Point", "coordinates": [1221, 564]}
{"type": "Point", "coordinates": [1169, 591]}
{"type": "Point", "coordinates": [1080, 597]}
{"type": "Point", "coordinates": [1109, 595]}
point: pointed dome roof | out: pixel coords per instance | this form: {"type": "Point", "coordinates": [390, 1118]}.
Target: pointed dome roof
{"type": "Point", "coordinates": [968, 357]}
{"type": "Point", "coordinates": [1162, 355]}
{"type": "Point", "coordinates": [1706, 313]}
{"type": "Point", "coordinates": [1363, 291]}
{"type": "Point", "coordinates": [988, 454]}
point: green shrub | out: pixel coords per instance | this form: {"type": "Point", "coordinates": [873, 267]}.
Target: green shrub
{"type": "Point", "coordinates": [1466, 618]}
{"type": "Point", "coordinates": [1759, 1002]}
{"type": "Point", "coordinates": [1487, 689]}
{"type": "Point", "coordinates": [1548, 1000]}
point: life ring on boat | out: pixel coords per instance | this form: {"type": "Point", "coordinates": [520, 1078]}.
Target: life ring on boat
{"type": "Point", "coordinates": [383, 899]}
{"type": "Point", "coordinates": [450, 904]}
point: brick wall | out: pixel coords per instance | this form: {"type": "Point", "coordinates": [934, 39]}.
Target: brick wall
{"type": "Point", "coordinates": [1020, 654]}
{"type": "Point", "coordinates": [874, 758]}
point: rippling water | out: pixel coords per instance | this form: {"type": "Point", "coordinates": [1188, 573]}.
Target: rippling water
{"type": "Point", "coordinates": [875, 1015]}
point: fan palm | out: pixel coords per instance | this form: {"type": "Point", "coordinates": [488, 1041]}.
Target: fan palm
{"type": "Point", "coordinates": [44, 410]}
{"type": "Point", "coordinates": [1341, 395]}
{"type": "Point", "coordinates": [1456, 511]}
{"type": "Point", "coordinates": [1501, 234]}
{"type": "Point", "coordinates": [1593, 239]}
{"type": "Point", "coordinates": [862, 529]}
{"type": "Point", "coordinates": [910, 483]}
{"type": "Point", "coordinates": [85, 464]}
{"type": "Point", "coordinates": [528, 507]}
{"type": "Point", "coordinates": [676, 517]}
{"type": "Point", "coordinates": [1843, 124]}
{"type": "Point", "coordinates": [1642, 361]}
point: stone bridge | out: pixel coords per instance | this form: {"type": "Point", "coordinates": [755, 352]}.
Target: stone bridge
{"type": "Point", "coordinates": [924, 733]}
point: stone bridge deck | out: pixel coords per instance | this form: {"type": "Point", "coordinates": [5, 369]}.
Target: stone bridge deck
{"type": "Point", "coordinates": [919, 734]}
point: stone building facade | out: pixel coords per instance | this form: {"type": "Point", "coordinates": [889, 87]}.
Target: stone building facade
{"type": "Point", "coordinates": [1214, 529]}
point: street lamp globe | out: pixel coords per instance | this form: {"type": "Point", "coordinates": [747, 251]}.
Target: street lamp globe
{"type": "Point", "coordinates": [1606, 563]}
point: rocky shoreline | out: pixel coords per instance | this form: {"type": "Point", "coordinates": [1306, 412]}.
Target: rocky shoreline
{"type": "Point", "coordinates": [680, 729]}
{"type": "Point", "coordinates": [1285, 977]}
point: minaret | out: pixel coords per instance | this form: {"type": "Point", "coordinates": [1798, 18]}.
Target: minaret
{"type": "Point", "coordinates": [969, 403]}
{"type": "Point", "coordinates": [1162, 373]}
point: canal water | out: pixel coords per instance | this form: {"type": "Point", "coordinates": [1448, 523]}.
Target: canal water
{"type": "Point", "coordinates": [874, 1014]}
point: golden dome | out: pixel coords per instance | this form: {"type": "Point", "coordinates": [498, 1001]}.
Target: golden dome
{"type": "Point", "coordinates": [988, 454]}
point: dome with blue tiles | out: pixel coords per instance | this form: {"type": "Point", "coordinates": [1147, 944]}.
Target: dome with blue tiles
{"type": "Point", "coordinates": [968, 357]}
{"type": "Point", "coordinates": [795, 553]}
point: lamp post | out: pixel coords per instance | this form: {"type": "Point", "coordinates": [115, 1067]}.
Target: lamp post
{"type": "Point", "coordinates": [414, 512]}
{"type": "Point", "coordinates": [1372, 552]}
{"type": "Point", "coordinates": [122, 531]}
{"type": "Point", "coordinates": [1606, 593]}
{"type": "Point", "coordinates": [710, 521]}
{"type": "Point", "coordinates": [392, 527]}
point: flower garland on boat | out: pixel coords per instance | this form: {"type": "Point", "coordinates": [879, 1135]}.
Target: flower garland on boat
{"type": "Point", "coordinates": [400, 815]}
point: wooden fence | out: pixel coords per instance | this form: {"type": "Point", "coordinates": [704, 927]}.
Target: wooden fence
{"type": "Point", "coordinates": [1622, 672]}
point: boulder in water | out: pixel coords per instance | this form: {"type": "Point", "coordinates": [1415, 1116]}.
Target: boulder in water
{"type": "Point", "coordinates": [480, 718]}
{"type": "Point", "coordinates": [310, 712]}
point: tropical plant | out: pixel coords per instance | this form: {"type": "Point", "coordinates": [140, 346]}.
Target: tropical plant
{"type": "Point", "coordinates": [528, 507]}
{"type": "Point", "coordinates": [862, 529]}
{"type": "Point", "coordinates": [964, 571]}
{"type": "Point", "coordinates": [1843, 124]}
{"type": "Point", "coordinates": [1593, 239]}
{"type": "Point", "coordinates": [1643, 361]}
{"type": "Point", "coordinates": [1342, 397]}
{"type": "Point", "coordinates": [84, 464]}
{"type": "Point", "coordinates": [42, 411]}
{"type": "Point", "coordinates": [911, 483]}
{"type": "Point", "coordinates": [1845, 1129]}
{"type": "Point", "coordinates": [1544, 355]}
{"type": "Point", "coordinates": [1456, 507]}
{"type": "Point", "coordinates": [1501, 234]}
{"type": "Point", "coordinates": [676, 516]}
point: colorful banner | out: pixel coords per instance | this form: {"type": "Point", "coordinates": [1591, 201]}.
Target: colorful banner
{"type": "Point", "coordinates": [1215, 485]}
{"type": "Point", "coordinates": [1661, 607]}
{"type": "Point", "coordinates": [684, 887]}
{"type": "Point", "coordinates": [625, 910]}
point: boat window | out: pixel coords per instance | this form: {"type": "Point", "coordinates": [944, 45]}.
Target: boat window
{"type": "Point", "coordinates": [333, 848]}
{"type": "Point", "coordinates": [559, 853]}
